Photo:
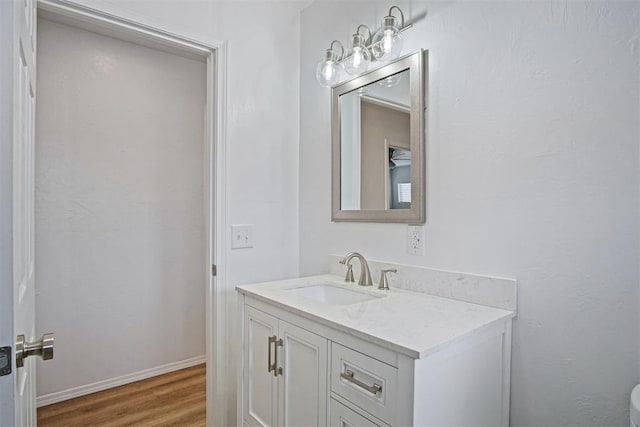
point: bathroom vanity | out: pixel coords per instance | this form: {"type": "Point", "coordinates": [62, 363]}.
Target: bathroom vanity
{"type": "Point", "coordinates": [319, 351]}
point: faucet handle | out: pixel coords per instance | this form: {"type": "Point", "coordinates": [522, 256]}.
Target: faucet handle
{"type": "Point", "coordinates": [384, 282]}
{"type": "Point", "coordinates": [349, 276]}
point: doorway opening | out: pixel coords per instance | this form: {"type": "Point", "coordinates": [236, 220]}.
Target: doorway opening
{"type": "Point", "coordinates": [176, 209]}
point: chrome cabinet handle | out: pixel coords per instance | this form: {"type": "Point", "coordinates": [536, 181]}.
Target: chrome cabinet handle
{"type": "Point", "coordinates": [277, 370]}
{"type": "Point", "coordinates": [271, 366]}
{"type": "Point", "coordinates": [274, 366]}
{"type": "Point", "coordinates": [373, 389]}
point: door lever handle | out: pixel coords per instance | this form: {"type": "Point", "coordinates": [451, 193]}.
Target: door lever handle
{"type": "Point", "coordinates": [42, 348]}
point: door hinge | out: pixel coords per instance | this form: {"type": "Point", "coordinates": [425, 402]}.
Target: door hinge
{"type": "Point", "coordinates": [5, 361]}
{"type": "Point", "coordinates": [214, 270]}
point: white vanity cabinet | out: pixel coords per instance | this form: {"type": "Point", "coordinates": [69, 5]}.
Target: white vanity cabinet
{"type": "Point", "coordinates": [332, 376]}
{"type": "Point", "coordinates": [286, 373]}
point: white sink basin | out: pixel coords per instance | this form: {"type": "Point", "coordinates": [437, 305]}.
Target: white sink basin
{"type": "Point", "coordinates": [330, 294]}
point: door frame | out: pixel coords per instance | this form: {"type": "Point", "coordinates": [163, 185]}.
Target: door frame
{"type": "Point", "coordinates": [215, 167]}
{"type": "Point", "coordinates": [8, 41]}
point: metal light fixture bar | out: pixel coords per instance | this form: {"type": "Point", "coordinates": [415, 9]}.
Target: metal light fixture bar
{"type": "Point", "coordinates": [389, 18]}
{"type": "Point", "coordinates": [384, 45]}
{"type": "Point", "coordinates": [368, 43]}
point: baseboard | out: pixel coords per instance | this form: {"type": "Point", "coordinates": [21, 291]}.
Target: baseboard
{"type": "Point", "coordinates": [71, 393]}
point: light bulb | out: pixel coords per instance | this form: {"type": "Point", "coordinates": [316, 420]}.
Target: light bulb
{"type": "Point", "coordinates": [358, 58]}
{"type": "Point", "coordinates": [387, 40]}
{"type": "Point", "coordinates": [386, 43]}
{"type": "Point", "coordinates": [328, 70]}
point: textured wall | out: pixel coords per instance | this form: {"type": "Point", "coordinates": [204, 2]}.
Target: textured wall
{"type": "Point", "coordinates": [533, 171]}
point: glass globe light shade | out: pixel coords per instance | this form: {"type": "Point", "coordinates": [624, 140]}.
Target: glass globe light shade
{"type": "Point", "coordinates": [328, 70]}
{"type": "Point", "coordinates": [386, 43]}
{"type": "Point", "coordinates": [358, 58]}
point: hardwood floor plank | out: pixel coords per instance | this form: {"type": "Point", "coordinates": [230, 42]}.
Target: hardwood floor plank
{"type": "Point", "coordinates": [174, 399]}
{"type": "Point", "coordinates": [123, 393]}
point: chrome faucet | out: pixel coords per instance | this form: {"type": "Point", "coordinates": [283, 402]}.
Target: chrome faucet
{"type": "Point", "coordinates": [365, 275]}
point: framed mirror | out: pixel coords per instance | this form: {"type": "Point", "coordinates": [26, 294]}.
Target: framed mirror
{"type": "Point", "coordinates": [378, 164]}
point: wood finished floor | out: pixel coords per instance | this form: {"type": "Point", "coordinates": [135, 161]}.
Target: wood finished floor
{"type": "Point", "coordinates": [173, 399]}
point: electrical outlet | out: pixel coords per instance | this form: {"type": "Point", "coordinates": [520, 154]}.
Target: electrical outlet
{"type": "Point", "coordinates": [415, 240]}
{"type": "Point", "coordinates": [241, 236]}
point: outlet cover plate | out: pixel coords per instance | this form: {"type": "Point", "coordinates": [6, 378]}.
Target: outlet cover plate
{"type": "Point", "coordinates": [415, 240]}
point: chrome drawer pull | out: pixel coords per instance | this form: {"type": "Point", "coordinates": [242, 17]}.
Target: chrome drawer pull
{"type": "Point", "coordinates": [348, 375]}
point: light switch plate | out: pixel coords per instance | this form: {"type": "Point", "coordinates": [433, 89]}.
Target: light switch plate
{"type": "Point", "coordinates": [241, 236]}
{"type": "Point", "coordinates": [415, 240]}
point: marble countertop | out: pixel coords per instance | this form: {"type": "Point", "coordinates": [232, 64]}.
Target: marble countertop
{"type": "Point", "coordinates": [411, 323]}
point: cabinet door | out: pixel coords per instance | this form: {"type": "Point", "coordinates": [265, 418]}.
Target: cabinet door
{"type": "Point", "coordinates": [260, 386]}
{"type": "Point", "coordinates": [303, 384]}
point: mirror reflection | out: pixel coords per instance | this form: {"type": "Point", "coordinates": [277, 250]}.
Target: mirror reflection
{"type": "Point", "coordinates": [375, 149]}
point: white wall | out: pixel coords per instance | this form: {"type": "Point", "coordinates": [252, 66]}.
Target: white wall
{"type": "Point", "coordinates": [262, 120]}
{"type": "Point", "coordinates": [120, 246]}
{"type": "Point", "coordinates": [533, 172]}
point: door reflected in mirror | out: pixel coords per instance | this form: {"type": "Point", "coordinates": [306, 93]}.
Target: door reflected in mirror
{"type": "Point", "coordinates": [378, 132]}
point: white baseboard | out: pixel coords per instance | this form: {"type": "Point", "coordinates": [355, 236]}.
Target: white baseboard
{"type": "Point", "coordinates": [71, 393]}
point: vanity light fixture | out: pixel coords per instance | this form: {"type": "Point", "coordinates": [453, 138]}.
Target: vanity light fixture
{"type": "Point", "coordinates": [327, 71]}
{"type": "Point", "coordinates": [385, 45]}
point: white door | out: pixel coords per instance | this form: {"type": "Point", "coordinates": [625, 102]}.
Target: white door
{"type": "Point", "coordinates": [23, 196]}
{"type": "Point", "coordinates": [19, 51]}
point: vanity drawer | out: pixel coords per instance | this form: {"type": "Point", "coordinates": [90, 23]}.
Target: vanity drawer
{"type": "Point", "coordinates": [366, 382]}
{"type": "Point", "coordinates": [343, 416]}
